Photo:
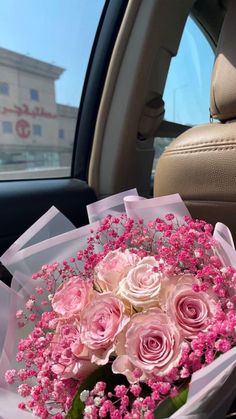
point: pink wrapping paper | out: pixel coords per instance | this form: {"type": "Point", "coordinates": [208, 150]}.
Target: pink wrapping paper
{"type": "Point", "coordinates": [11, 300]}
{"type": "Point", "coordinates": [211, 390]}
{"type": "Point", "coordinates": [138, 207]}
{"type": "Point", "coordinates": [60, 247]}
{"type": "Point", "coordinates": [50, 224]}
{"type": "Point", "coordinates": [227, 250]}
{"type": "Point", "coordinates": [150, 209]}
{"type": "Point", "coordinates": [8, 406]}
{"type": "Point", "coordinates": [113, 205]}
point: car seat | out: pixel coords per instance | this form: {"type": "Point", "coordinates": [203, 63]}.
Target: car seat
{"type": "Point", "coordinates": [200, 163]}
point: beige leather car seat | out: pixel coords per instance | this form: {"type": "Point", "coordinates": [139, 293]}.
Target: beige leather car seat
{"type": "Point", "coordinates": [201, 163]}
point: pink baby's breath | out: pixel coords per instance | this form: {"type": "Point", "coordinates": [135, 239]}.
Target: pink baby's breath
{"type": "Point", "coordinates": [22, 406]}
{"type": "Point", "coordinates": [19, 314]}
{"type": "Point", "coordinates": [10, 376]}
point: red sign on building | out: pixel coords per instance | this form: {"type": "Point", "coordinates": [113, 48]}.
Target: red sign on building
{"type": "Point", "coordinates": [23, 128]}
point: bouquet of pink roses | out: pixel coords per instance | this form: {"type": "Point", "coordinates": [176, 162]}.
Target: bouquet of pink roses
{"type": "Point", "coordinates": [123, 314]}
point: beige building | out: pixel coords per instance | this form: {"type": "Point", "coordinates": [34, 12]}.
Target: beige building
{"type": "Point", "coordinates": [35, 131]}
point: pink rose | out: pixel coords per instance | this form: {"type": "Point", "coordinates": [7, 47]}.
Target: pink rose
{"type": "Point", "coordinates": [151, 343]}
{"type": "Point", "coordinates": [70, 359]}
{"type": "Point", "coordinates": [114, 266]}
{"type": "Point", "coordinates": [149, 260]}
{"type": "Point", "coordinates": [189, 309]}
{"type": "Point", "coordinates": [169, 283]}
{"type": "Point", "coordinates": [71, 297]}
{"type": "Point", "coordinates": [101, 321]}
{"type": "Point", "coordinates": [141, 286]}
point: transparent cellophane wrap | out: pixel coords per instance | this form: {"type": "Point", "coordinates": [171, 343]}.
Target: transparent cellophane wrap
{"type": "Point", "coordinates": [54, 238]}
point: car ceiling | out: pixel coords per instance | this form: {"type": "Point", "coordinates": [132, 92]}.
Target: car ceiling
{"type": "Point", "coordinates": [209, 14]}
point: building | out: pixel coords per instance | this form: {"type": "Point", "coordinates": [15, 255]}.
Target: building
{"type": "Point", "coordinates": [35, 131]}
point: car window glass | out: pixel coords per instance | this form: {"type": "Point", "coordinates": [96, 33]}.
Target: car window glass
{"type": "Point", "coordinates": [187, 90]}
{"type": "Point", "coordinates": [45, 48]}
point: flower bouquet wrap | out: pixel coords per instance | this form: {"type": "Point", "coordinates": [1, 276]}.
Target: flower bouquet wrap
{"type": "Point", "coordinates": [132, 316]}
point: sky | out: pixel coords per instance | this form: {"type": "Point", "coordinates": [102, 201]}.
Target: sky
{"type": "Point", "coordinates": [61, 32]}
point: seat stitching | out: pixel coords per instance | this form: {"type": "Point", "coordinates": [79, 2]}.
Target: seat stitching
{"type": "Point", "coordinates": [227, 140]}
{"type": "Point", "coordinates": [199, 151]}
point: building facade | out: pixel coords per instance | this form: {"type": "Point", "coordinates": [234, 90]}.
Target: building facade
{"type": "Point", "coordinates": [35, 131]}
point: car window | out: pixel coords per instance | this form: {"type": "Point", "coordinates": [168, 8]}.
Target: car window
{"type": "Point", "coordinates": [187, 90]}
{"type": "Point", "coordinates": [44, 53]}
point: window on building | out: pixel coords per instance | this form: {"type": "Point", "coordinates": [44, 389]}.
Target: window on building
{"type": "Point", "coordinates": [61, 134]}
{"type": "Point", "coordinates": [7, 127]}
{"type": "Point", "coordinates": [37, 130]}
{"type": "Point", "coordinates": [4, 88]}
{"type": "Point", "coordinates": [34, 95]}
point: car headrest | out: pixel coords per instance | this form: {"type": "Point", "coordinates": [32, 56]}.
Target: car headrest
{"type": "Point", "coordinates": [223, 83]}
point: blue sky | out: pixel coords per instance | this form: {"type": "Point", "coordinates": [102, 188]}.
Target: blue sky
{"type": "Point", "coordinates": [61, 32]}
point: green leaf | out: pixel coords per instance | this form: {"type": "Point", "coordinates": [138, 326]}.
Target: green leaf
{"type": "Point", "coordinates": [171, 405]}
{"type": "Point", "coordinates": [103, 373]}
